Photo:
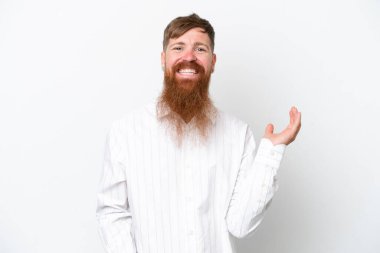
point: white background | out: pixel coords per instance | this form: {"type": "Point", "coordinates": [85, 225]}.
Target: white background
{"type": "Point", "coordinates": [68, 68]}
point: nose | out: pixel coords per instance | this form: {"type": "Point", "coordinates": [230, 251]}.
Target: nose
{"type": "Point", "coordinates": [189, 55]}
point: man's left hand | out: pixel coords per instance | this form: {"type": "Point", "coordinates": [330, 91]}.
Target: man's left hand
{"type": "Point", "coordinates": [289, 134]}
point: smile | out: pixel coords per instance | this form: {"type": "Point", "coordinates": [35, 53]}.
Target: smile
{"type": "Point", "coordinates": [187, 71]}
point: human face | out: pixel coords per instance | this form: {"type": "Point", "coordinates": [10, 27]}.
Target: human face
{"type": "Point", "coordinates": [193, 47]}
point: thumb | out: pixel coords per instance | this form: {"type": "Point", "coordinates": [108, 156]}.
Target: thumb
{"type": "Point", "coordinates": [269, 129]}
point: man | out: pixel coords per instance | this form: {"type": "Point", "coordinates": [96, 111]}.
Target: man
{"type": "Point", "coordinates": [179, 175]}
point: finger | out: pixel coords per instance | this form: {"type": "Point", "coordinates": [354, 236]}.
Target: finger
{"type": "Point", "coordinates": [297, 125]}
{"type": "Point", "coordinates": [297, 120]}
{"type": "Point", "coordinates": [269, 129]}
{"type": "Point", "coordinates": [297, 129]}
{"type": "Point", "coordinates": [294, 113]}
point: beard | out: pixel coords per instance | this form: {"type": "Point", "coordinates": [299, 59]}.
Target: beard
{"type": "Point", "coordinates": [186, 101]}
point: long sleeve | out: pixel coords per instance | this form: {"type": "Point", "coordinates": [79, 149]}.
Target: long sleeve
{"type": "Point", "coordinates": [113, 215]}
{"type": "Point", "coordinates": [254, 187]}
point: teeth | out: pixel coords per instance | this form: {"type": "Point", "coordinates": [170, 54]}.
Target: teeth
{"type": "Point", "coordinates": [192, 71]}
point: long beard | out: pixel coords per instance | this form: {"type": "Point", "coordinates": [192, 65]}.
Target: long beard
{"type": "Point", "coordinates": [186, 101]}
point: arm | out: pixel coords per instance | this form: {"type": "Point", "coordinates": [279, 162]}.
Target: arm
{"type": "Point", "coordinates": [256, 180]}
{"type": "Point", "coordinates": [255, 186]}
{"type": "Point", "coordinates": [113, 215]}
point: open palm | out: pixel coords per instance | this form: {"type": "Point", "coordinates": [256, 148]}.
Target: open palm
{"type": "Point", "coordinates": [289, 134]}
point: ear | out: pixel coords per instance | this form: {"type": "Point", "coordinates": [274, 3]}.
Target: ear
{"type": "Point", "coordinates": [163, 61]}
{"type": "Point", "coordinates": [213, 61]}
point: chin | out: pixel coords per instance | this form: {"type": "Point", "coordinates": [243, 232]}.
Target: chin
{"type": "Point", "coordinates": [187, 84]}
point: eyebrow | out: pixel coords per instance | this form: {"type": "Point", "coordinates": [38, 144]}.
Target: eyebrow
{"type": "Point", "coordinates": [195, 44]}
{"type": "Point", "coordinates": [177, 44]}
{"type": "Point", "coordinates": [201, 44]}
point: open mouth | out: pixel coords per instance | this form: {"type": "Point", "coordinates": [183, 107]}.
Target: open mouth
{"type": "Point", "coordinates": [187, 72]}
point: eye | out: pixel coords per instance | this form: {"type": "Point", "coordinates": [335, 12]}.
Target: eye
{"type": "Point", "coordinates": [200, 49]}
{"type": "Point", "coordinates": [177, 48]}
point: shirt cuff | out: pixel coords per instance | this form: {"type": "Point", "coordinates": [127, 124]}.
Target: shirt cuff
{"type": "Point", "coordinates": [269, 153]}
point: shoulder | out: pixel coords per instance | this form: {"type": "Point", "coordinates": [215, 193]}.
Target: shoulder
{"type": "Point", "coordinates": [234, 132]}
{"type": "Point", "coordinates": [229, 121]}
{"type": "Point", "coordinates": [232, 128]}
{"type": "Point", "coordinates": [135, 118]}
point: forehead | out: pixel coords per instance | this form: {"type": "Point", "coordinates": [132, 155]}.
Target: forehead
{"type": "Point", "coordinates": [192, 36]}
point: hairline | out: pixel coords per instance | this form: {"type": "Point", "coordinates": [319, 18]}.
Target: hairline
{"type": "Point", "coordinates": [194, 22]}
{"type": "Point", "coordinates": [208, 45]}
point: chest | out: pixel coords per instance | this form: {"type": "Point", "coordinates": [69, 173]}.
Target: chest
{"type": "Point", "coordinates": [159, 172]}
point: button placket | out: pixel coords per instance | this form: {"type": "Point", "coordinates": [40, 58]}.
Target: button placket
{"type": "Point", "coordinates": [188, 180]}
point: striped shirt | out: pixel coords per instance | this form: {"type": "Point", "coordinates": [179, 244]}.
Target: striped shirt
{"type": "Point", "coordinates": [157, 197]}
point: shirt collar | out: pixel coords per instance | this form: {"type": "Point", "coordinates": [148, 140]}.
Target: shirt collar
{"type": "Point", "coordinates": [163, 111]}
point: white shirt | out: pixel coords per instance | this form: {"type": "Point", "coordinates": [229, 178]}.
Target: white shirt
{"type": "Point", "coordinates": [157, 197]}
